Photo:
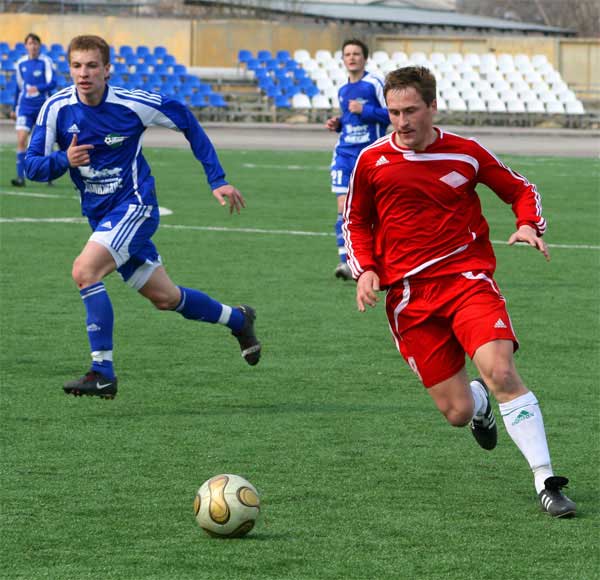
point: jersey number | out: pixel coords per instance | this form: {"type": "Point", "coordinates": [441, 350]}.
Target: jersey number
{"type": "Point", "coordinates": [336, 177]}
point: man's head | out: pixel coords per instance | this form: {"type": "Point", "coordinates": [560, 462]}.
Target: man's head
{"type": "Point", "coordinates": [410, 95]}
{"type": "Point", "coordinates": [354, 54]}
{"type": "Point", "coordinates": [33, 44]}
{"type": "Point", "coordinates": [89, 64]}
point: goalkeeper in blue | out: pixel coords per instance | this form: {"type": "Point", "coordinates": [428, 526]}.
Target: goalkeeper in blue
{"type": "Point", "coordinates": [364, 119]}
{"type": "Point", "coordinates": [99, 129]}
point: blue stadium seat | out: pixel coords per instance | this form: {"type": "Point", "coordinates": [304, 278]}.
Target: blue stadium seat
{"type": "Point", "coordinates": [261, 74]}
{"type": "Point", "coordinates": [4, 48]}
{"type": "Point", "coordinates": [283, 55]}
{"type": "Point", "coordinates": [253, 64]}
{"type": "Point", "coordinates": [271, 64]}
{"type": "Point", "coordinates": [198, 100]}
{"type": "Point", "coordinates": [299, 74]}
{"type": "Point", "coordinates": [179, 69]}
{"type": "Point", "coordinates": [130, 59]}
{"type": "Point", "coordinates": [7, 97]}
{"type": "Point", "coordinates": [273, 91]}
{"type": "Point", "coordinates": [150, 59]}
{"type": "Point", "coordinates": [282, 102]}
{"type": "Point", "coordinates": [169, 60]}
{"type": "Point", "coordinates": [55, 47]}
{"type": "Point", "coordinates": [141, 51]}
{"type": "Point", "coordinates": [142, 68]}
{"type": "Point", "coordinates": [203, 89]}
{"type": "Point", "coordinates": [244, 55]}
{"type": "Point", "coordinates": [62, 66]}
{"type": "Point", "coordinates": [217, 100]}
{"type": "Point", "coordinates": [8, 65]}
{"type": "Point", "coordinates": [120, 68]}
{"type": "Point", "coordinates": [135, 80]}
{"type": "Point", "coordinates": [161, 69]}
{"type": "Point", "coordinates": [125, 51]}
{"type": "Point", "coordinates": [160, 52]}
{"type": "Point", "coordinates": [263, 55]}
{"type": "Point", "coordinates": [291, 90]}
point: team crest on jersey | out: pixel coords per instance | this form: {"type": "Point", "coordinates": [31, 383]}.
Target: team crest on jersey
{"type": "Point", "coordinates": [113, 140]}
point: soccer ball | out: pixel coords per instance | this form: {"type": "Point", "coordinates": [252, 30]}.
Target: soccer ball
{"type": "Point", "coordinates": [226, 506]}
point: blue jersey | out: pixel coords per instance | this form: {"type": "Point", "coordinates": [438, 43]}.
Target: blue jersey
{"type": "Point", "coordinates": [358, 131]}
{"type": "Point", "coordinates": [117, 172]}
{"type": "Point", "coordinates": [33, 72]}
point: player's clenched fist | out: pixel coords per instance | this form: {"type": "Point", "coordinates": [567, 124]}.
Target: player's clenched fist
{"type": "Point", "coordinates": [78, 155]}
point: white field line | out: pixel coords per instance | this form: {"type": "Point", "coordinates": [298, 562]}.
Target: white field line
{"type": "Point", "coordinates": [80, 220]}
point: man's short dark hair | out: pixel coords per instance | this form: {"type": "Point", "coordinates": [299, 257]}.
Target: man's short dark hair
{"type": "Point", "coordinates": [356, 42]}
{"type": "Point", "coordinates": [419, 77]}
{"type": "Point", "coordinates": [90, 42]}
{"type": "Point", "coordinates": [33, 37]}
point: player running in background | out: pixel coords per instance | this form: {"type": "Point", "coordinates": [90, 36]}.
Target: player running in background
{"type": "Point", "coordinates": [364, 119]}
{"type": "Point", "coordinates": [99, 129]}
{"type": "Point", "coordinates": [35, 82]}
{"type": "Point", "coordinates": [413, 226]}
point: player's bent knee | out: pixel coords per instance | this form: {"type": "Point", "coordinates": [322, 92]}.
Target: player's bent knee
{"type": "Point", "coordinates": [163, 301]}
{"type": "Point", "coordinates": [459, 417]}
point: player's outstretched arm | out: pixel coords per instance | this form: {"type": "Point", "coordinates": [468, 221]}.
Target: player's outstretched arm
{"type": "Point", "coordinates": [235, 198]}
{"type": "Point", "coordinates": [528, 235]}
{"type": "Point", "coordinates": [366, 290]}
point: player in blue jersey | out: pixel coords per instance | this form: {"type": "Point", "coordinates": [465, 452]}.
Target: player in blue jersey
{"type": "Point", "coordinates": [99, 129]}
{"type": "Point", "coordinates": [364, 119]}
{"type": "Point", "coordinates": [35, 82]}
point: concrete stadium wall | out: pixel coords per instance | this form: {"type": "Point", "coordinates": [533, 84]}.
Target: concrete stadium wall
{"type": "Point", "coordinates": [175, 34]}
{"type": "Point", "coordinates": [213, 43]}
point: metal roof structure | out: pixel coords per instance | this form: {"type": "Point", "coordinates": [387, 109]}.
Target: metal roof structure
{"type": "Point", "coordinates": [378, 13]}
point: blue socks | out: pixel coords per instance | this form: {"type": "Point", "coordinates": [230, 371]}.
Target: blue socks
{"type": "Point", "coordinates": [195, 305]}
{"type": "Point", "coordinates": [21, 164]}
{"type": "Point", "coordinates": [339, 238]}
{"type": "Point", "coordinates": [99, 327]}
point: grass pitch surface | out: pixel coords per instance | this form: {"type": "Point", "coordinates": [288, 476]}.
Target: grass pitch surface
{"type": "Point", "coordinates": [360, 476]}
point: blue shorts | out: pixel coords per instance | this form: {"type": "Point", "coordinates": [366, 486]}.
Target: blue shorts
{"type": "Point", "coordinates": [26, 121]}
{"type": "Point", "coordinates": [126, 233]}
{"type": "Point", "coordinates": [342, 166]}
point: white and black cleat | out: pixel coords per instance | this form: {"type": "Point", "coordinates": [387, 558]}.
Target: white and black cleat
{"type": "Point", "coordinates": [484, 428]}
{"type": "Point", "coordinates": [249, 344]}
{"type": "Point", "coordinates": [554, 501]}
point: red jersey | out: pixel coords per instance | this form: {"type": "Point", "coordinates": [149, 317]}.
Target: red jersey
{"type": "Point", "coordinates": [416, 213]}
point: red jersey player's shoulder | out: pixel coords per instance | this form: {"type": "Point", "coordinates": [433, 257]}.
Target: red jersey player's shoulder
{"type": "Point", "coordinates": [371, 153]}
{"type": "Point", "coordinates": [458, 143]}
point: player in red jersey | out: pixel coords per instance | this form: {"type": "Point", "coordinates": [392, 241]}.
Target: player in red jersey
{"type": "Point", "coordinates": [413, 226]}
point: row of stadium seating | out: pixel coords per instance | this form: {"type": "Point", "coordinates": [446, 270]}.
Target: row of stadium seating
{"type": "Point", "coordinates": [466, 83]}
{"type": "Point", "coordinates": [132, 68]}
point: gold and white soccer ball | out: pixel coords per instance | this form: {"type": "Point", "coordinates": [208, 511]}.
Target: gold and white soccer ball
{"type": "Point", "coordinates": [227, 506]}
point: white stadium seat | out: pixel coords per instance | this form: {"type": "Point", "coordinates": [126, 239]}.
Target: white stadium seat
{"type": "Point", "coordinates": [473, 59]}
{"type": "Point", "coordinates": [454, 58]}
{"type": "Point", "coordinates": [488, 60]}
{"type": "Point", "coordinates": [419, 58]}
{"type": "Point", "coordinates": [469, 93]}
{"type": "Point", "coordinates": [399, 56]}
{"type": "Point", "coordinates": [489, 95]}
{"type": "Point", "coordinates": [324, 83]}
{"type": "Point", "coordinates": [538, 60]}
{"type": "Point", "coordinates": [318, 73]}
{"type": "Point", "coordinates": [496, 106]}
{"type": "Point", "coordinates": [574, 108]}
{"type": "Point", "coordinates": [441, 104]}
{"type": "Point", "coordinates": [301, 101]}
{"type": "Point", "coordinates": [380, 56]}
{"type": "Point", "coordinates": [323, 55]}
{"type": "Point", "coordinates": [476, 105]}
{"type": "Point", "coordinates": [301, 56]}
{"type": "Point", "coordinates": [437, 58]}
{"type": "Point", "coordinates": [506, 63]}
{"type": "Point", "coordinates": [555, 108]}
{"type": "Point", "coordinates": [457, 104]}
{"type": "Point", "coordinates": [515, 106]}
{"type": "Point", "coordinates": [321, 102]}
{"type": "Point", "coordinates": [535, 106]}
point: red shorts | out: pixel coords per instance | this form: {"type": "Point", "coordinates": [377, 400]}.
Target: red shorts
{"type": "Point", "coordinates": [436, 321]}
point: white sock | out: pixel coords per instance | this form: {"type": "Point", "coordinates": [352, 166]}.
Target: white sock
{"type": "Point", "coordinates": [524, 423]}
{"type": "Point", "coordinates": [479, 399]}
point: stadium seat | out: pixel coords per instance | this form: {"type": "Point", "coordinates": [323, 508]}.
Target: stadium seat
{"type": "Point", "coordinates": [263, 55]}
{"type": "Point", "coordinates": [456, 104]}
{"type": "Point", "coordinates": [515, 106]}
{"type": "Point", "coordinates": [301, 56]}
{"type": "Point", "coordinates": [554, 108]}
{"type": "Point", "coordinates": [320, 102]}
{"type": "Point", "coordinates": [4, 48]}
{"type": "Point", "coordinates": [169, 60]}
{"type": "Point", "coordinates": [301, 101]}
{"type": "Point", "coordinates": [282, 102]}
{"type": "Point", "coordinates": [160, 52]}
{"type": "Point", "coordinates": [283, 56]}
{"type": "Point", "coordinates": [217, 100]}
{"type": "Point", "coordinates": [574, 108]}
{"type": "Point", "coordinates": [323, 55]}
{"type": "Point", "coordinates": [141, 51]}
{"type": "Point", "coordinates": [244, 55]}
{"type": "Point", "coordinates": [399, 57]}
{"type": "Point", "coordinates": [496, 106]}
{"type": "Point", "coordinates": [476, 105]}
{"type": "Point", "coordinates": [441, 104]}
{"type": "Point", "coordinates": [150, 59]}
{"type": "Point", "coordinates": [125, 50]}
{"type": "Point", "coordinates": [437, 58]}
{"type": "Point", "coordinates": [380, 56]}
{"type": "Point", "coordinates": [538, 60]}
{"type": "Point", "coordinates": [535, 107]}
{"type": "Point", "coordinates": [454, 58]}
{"type": "Point", "coordinates": [198, 100]}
